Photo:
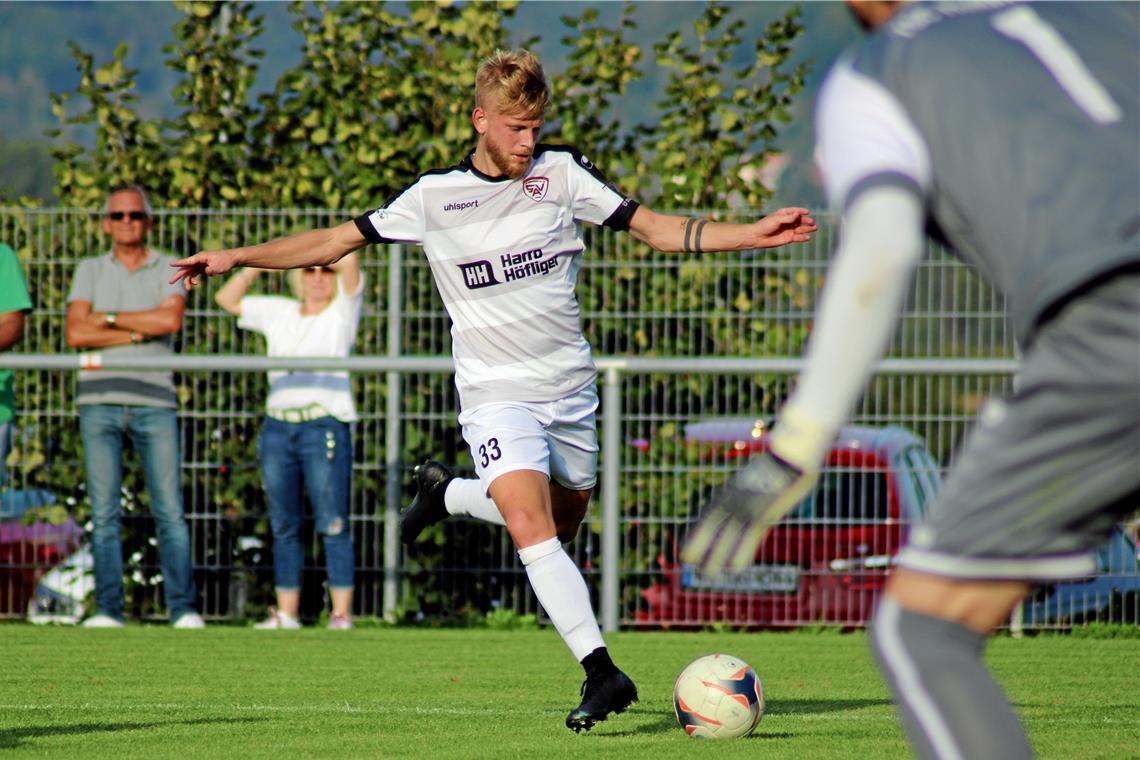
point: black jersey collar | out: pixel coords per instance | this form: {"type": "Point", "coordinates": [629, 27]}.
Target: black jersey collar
{"type": "Point", "coordinates": [468, 164]}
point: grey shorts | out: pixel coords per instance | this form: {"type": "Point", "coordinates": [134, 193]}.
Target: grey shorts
{"type": "Point", "coordinates": [1050, 469]}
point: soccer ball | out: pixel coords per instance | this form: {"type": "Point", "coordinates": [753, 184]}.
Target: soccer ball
{"type": "Point", "coordinates": [718, 696]}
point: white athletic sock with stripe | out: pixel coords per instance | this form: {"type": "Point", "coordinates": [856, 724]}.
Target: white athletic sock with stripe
{"type": "Point", "coordinates": [465, 496]}
{"type": "Point", "coordinates": [949, 703]}
{"type": "Point", "coordinates": [562, 592]}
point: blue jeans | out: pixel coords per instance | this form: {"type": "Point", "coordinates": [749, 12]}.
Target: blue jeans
{"type": "Point", "coordinates": [317, 454]}
{"type": "Point", "coordinates": [154, 433]}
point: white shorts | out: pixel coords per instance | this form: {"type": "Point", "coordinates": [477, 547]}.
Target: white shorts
{"type": "Point", "coordinates": [557, 438]}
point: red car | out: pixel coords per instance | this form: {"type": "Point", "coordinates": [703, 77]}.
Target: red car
{"type": "Point", "coordinates": [827, 560]}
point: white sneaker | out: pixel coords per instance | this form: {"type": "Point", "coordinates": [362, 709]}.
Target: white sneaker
{"type": "Point", "coordinates": [339, 623]}
{"type": "Point", "coordinates": [190, 620]}
{"type": "Point", "coordinates": [278, 621]}
{"type": "Point", "coordinates": [103, 621]}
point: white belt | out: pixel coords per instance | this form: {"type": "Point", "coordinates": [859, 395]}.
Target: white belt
{"type": "Point", "coordinates": [303, 414]}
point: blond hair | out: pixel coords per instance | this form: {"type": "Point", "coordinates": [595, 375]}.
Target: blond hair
{"type": "Point", "coordinates": [514, 83]}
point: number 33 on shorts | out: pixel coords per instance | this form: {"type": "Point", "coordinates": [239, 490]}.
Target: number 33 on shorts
{"type": "Point", "coordinates": [489, 451]}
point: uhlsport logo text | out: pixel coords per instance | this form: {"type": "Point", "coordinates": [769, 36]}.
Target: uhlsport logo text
{"type": "Point", "coordinates": [460, 205]}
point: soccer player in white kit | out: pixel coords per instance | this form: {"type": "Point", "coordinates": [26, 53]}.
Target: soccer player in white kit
{"type": "Point", "coordinates": [502, 233]}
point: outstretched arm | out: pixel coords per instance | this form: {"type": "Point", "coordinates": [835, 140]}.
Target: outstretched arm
{"type": "Point", "coordinates": [321, 247]}
{"type": "Point", "coordinates": [679, 233]}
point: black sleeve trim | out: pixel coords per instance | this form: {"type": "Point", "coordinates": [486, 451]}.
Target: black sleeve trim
{"type": "Point", "coordinates": [368, 231]}
{"type": "Point", "coordinates": [883, 179]}
{"type": "Point", "coordinates": [619, 220]}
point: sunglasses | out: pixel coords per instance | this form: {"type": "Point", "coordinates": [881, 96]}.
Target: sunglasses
{"type": "Point", "coordinates": [317, 270]}
{"type": "Point", "coordinates": [134, 216]}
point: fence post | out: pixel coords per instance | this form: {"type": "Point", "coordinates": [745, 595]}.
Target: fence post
{"type": "Point", "coordinates": [611, 507]}
{"type": "Point", "coordinates": [393, 438]}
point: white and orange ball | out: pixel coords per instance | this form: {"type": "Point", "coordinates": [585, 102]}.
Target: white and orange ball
{"type": "Point", "coordinates": [718, 696]}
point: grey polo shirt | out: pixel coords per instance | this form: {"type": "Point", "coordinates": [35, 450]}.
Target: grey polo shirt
{"type": "Point", "coordinates": [106, 284]}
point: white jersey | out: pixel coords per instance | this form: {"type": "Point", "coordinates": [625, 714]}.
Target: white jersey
{"type": "Point", "coordinates": [505, 255]}
{"type": "Point", "coordinates": [288, 332]}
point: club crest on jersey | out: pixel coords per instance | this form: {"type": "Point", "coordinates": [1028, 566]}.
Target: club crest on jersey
{"type": "Point", "coordinates": [536, 187]}
{"type": "Point", "coordinates": [478, 274]}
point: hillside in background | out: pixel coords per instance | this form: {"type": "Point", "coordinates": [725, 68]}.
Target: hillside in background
{"type": "Point", "coordinates": [35, 61]}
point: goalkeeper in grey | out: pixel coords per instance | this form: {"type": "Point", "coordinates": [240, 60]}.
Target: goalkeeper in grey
{"type": "Point", "coordinates": [1012, 132]}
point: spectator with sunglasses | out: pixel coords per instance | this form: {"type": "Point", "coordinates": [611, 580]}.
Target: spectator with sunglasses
{"type": "Point", "coordinates": [121, 302]}
{"type": "Point", "coordinates": [306, 439]}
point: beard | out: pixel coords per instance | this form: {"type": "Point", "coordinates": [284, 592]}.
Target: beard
{"type": "Point", "coordinates": [505, 162]}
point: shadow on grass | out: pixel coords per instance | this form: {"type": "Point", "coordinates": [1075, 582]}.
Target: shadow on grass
{"type": "Point", "coordinates": [10, 738]}
{"type": "Point", "coordinates": [663, 721]}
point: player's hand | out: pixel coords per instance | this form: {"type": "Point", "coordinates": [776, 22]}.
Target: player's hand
{"type": "Point", "coordinates": [740, 515]}
{"type": "Point", "coordinates": [788, 225]}
{"type": "Point", "coordinates": [207, 263]}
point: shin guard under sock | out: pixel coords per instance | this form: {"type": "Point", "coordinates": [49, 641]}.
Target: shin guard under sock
{"type": "Point", "coordinates": [562, 591]}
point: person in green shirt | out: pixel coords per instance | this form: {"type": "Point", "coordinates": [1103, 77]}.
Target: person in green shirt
{"type": "Point", "coordinates": [14, 302]}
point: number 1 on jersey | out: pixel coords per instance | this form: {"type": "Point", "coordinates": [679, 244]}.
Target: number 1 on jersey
{"type": "Point", "coordinates": [1062, 62]}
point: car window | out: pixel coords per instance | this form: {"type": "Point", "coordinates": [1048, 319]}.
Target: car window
{"type": "Point", "coordinates": [924, 471]}
{"type": "Point", "coordinates": [847, 495]}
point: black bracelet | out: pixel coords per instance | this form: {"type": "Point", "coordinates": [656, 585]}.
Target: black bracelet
{"type": "Point", "coordinates": [688, 231]}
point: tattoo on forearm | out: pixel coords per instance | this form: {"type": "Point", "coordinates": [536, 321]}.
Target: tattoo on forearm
{"type": "Point", "coordinates": [693, 241]}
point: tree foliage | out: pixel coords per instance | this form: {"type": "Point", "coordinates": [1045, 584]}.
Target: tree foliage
{"type": "Point", "coordinates": [382, 93]}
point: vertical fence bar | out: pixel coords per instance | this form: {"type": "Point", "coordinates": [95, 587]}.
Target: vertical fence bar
{"type": "Point", "coordinates": [393, 438]}
{"type": "Point", "coordinates": [611, 507]}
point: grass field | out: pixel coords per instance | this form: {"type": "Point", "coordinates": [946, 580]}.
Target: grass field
{"type": "Point", "coordinates": [478, 693]}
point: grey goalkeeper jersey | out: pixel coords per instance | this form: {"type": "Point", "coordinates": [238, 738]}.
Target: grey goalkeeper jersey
{"type": "Point", "coordinates": [1017, 124]}
{"type": "Point", "coordinates": [505, 255]}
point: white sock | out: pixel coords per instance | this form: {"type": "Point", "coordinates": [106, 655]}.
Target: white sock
{"type": "Point", "coordinates": [465, 496]}
{"type": "Point", "coordinates": [562, 592]}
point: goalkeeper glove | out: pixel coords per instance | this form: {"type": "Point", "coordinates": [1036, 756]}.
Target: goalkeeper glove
{"type": "Point", "coordinates": [732, 527]}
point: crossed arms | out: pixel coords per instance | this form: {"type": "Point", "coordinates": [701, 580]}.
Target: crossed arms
{"type": "Point", "coordinates": [88, 329]}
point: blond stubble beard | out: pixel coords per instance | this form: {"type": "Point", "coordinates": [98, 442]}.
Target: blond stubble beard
{"type": "Point", "coordinates": [502, 161]}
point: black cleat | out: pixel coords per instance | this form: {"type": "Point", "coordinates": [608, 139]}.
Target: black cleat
{"type": "Point", "coordinates": [602, 694]}
{"type": "Point", "coordinates": [427, 508]}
